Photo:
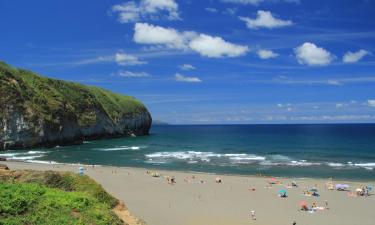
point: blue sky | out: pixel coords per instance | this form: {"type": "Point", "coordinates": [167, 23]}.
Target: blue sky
{"type": "Point", "coordinates": [212, 61]}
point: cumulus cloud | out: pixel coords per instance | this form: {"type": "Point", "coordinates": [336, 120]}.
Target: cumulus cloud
{"type": "Point", "coordinates": [132, 74]}
{"type": "Point", "coordinates": [371, 102]}
{"type": "Point", "coordinates": [205, 45]}
{"type": "Point", "coordinates": [312, 55]}
{"type": "Point", "coordinates": [216, 47]}
{"type": "Point", "coordinates": [265, 19]}
{"type": "Point", "coordinates": [124, 59]}
{"type": "Point", "coordinates": [266, 54]}
{"type": "Point", "coordinates": [145, 33]}
{"type": "Point", "coordinates": [146, 9]}
{"type": "Point", "coordinates": [187, 67]}
{"type": "Point", "coordinates": [182, 78]}
{"type": "Point", "coordinates": [352, 57]}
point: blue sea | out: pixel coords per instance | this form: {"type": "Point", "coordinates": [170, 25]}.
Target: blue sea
{"type": "Point", "coordinates": [340, 151]}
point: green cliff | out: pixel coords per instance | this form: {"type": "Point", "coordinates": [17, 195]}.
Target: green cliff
{"type": "Point", "coordinates": [39, 111]}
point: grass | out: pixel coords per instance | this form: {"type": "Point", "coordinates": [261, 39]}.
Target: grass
{"type": "Point", "coordinates": [52, 99]}
{"type": "Point", "coordinates": [52, 198]}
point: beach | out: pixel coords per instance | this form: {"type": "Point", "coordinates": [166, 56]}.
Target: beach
{"type": "Point", "coordinates": [196, 198]}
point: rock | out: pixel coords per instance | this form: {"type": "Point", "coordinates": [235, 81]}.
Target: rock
{"type": "Point", "coordinates": [3, 167]}
{"type": "Point", "coordinates": [37, 111]}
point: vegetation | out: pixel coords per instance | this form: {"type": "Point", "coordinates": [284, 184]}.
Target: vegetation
{"type": "Point", "coordinates": [52, 198]}
{"type": "Point", "coordinates": [48, 99]}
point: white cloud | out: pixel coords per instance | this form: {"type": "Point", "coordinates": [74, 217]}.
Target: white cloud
{"type": "Point", "coordinates": [341, 105]}
{"type": "Point", "coordinates": [265, 19]}
{"type": "Point", "coordinates": [352, 57]}
{"type": "Point", "coordinates": [334, 82]}
{"type": "Point", "coordinates": [216, 47]}
{"type": "Point", "coordinates": [203, 44]}
{"type": "Point", "coordinates": [145, 33]}
{"type": "Point", "coordinates": [257, 2]}
{"type": "Point", "coordinates": [371, 102]}
{"type": "Point", "coordinates": [132, 74]}
{"type": "Point", "coordinates": [182, 78]}
{"type": "Point", "coordinates": [120, 58]}
{"type": "Point", "coordinates": [212, 10]}
{"type": "Point", "coordinates": [312, 55]}
{"type": "Point", "coordinates": [146, 9]}
{"type": "Point", "coordinates": [231, 11]}
{"type": "Point", "coordinates": [187, 67]}
{"type": "Point", "coordinates": [244, 2]}
{"type": "Point", "coordinates": [124, 59]}
{"type": "Point", "coordinates": [266, 54]}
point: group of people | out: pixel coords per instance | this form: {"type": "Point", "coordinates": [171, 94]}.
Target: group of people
{"type": "Point", "coordinates": [314, 206]}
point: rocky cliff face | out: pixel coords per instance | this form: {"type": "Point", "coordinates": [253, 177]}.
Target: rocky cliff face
{"type": "Point", "coordinates": [37, 111]}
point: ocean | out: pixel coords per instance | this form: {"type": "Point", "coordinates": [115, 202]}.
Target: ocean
{"type": "Point", "coordinates": [338, 151]}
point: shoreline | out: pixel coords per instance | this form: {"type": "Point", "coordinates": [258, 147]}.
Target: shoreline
{"type": "Point", "coordinates": [191, 171]}
{"type": "Point", "coordinates": [190, 202]}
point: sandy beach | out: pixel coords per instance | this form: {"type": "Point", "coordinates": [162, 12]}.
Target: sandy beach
{"type": "Point", "coordinates": [189, 201]}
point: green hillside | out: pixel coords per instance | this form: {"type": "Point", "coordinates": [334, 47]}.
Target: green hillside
{"type": "Point", "coordinates": [52, 198]}
{"type": "Point", "coordinates": [50, 97]}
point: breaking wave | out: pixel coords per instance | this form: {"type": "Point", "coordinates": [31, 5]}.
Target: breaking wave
{"type": "Point", "coordinates": [194, 157]}
{"type": "Point", "coordinates": [121, 148]}
{"type": "Point", "coordinates": [23, 155]}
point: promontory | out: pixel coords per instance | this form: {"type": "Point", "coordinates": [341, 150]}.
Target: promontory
{"type": "Point", "coordinates": [36, 111]}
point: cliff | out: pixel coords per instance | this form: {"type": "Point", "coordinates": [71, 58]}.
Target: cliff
{"type": "Point", "coordinates": [39, 111]}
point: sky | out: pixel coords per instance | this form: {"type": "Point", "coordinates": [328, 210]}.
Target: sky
{"type": "Point", "coordinates": [207, 61]}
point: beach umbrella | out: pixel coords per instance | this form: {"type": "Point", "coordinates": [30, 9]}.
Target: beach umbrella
{"type": "Point", "coordinates": [282, 192]}
{"type": "Point", "coordinates": [314, 189]}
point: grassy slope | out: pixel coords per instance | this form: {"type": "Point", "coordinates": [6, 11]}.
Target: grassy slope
{"type": "Point", "coordinates": [51, 198]}
{"type": "Point", "coordinates": [49, 97]}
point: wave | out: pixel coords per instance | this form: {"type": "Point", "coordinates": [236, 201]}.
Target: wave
{"type": "Point", "coordinates": [23, 156]}
{"type": "Point", "coordinates": [121, 148]}
{"type": "Point", "coordinates": [42, 162]}
{"type": "Point", "coordinates": [367, 166]}
{"type": "Point", "coordinates": [195, 157]}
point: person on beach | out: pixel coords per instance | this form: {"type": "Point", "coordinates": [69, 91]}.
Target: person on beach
{"type": "Point", "coordinates": [294, 223]}
{"type": "Point", "coordinates": [252, 214]}
{"type": "Point", "coordinates": [326, 203]}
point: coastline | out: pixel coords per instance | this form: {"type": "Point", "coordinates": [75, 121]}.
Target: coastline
{"type": "Point", "coordinates": [260, 175]}
{"type": "Point", "coordinates": [191, 202]}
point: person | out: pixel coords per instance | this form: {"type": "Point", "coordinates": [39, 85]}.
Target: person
{"type": "Point", "coordinates": [81, 170]}
{"type": "Point", "coordinates": [326, 202]}
{"type": "Point", "coordinates": [252, 213]}
{"type": "Point", "coordinates": [294, 223]}
{"type": "Point", "coordinates": [314, 205]}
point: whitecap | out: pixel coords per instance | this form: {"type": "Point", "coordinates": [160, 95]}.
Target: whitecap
{"type": "Point", "coordinates": [335, 164]}
{"type": "Point", "coordinates": [26, 157]}
{"type": "Point", "coordinates": [195, 157]}
{"type": "Point", "coordinates": [120, 148]}
{"type": "Point", "coordinates": [42, 162]}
